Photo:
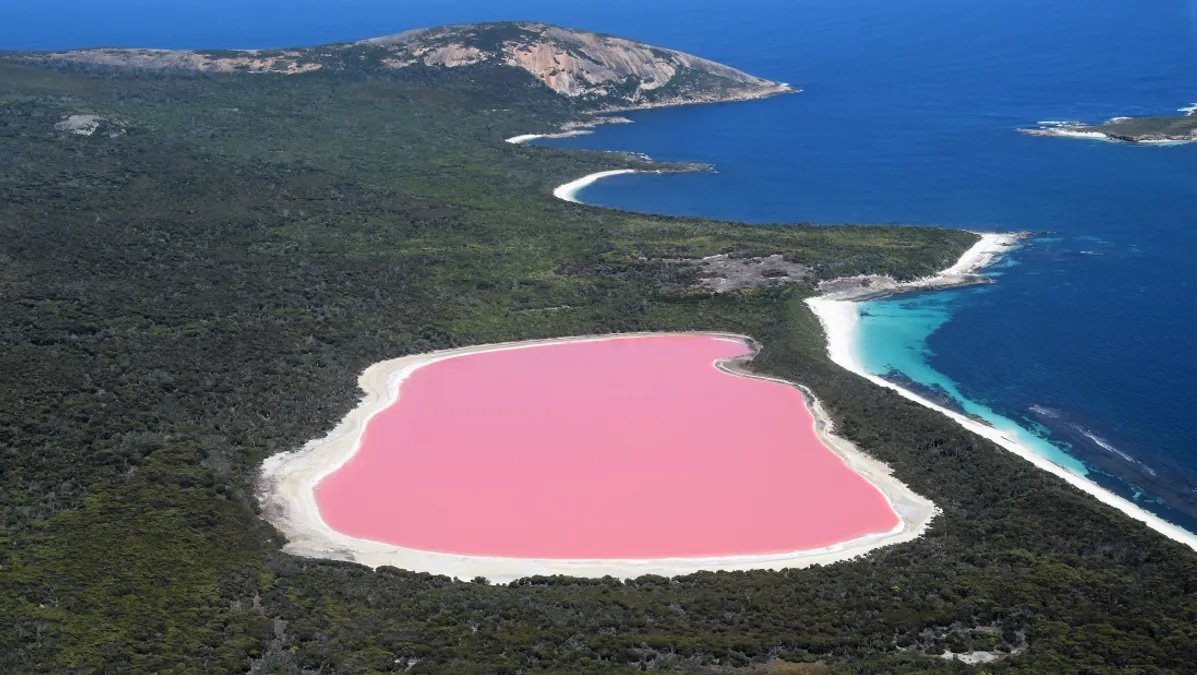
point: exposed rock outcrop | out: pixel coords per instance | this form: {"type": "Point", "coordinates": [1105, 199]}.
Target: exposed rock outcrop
{"type": "Point", "coordinates": [723, 273]}
{"type": "Point", "coordinates": [90, 125]}
{"type": "Point", "coordinates": [600, 72]}
{"type": "Point", "coordinates": [1140, 130]}
{"type": "Point", "coordinates": [580, 64]}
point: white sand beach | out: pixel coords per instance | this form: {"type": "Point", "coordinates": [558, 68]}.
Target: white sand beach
{"type": "Point", "coordinates": [287, 482]}
{"type": "Point", "coordinates": [524, 138]}
{"type": "Point", "coordinates": [985, 252]}
{"type": "Point", "coordinates": [571, 129]}
{"type": "Point", "coordinates": [569, 191]}
{"type": "Point", "coordinates": [839, 314]}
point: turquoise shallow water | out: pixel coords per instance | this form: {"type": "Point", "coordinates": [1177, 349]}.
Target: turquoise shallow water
{"type": "Point", "coordinates": [892, 342]}
{"type": "Point", "coordinates": [1083, 348]}
{"type": "Point", "coordinates": [909, 115]}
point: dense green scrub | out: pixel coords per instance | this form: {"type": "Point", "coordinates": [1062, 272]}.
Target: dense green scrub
{"type": "Point", "coordinates": [181, 302]}
{"type": "Point", "coordinates": [1148, 128]}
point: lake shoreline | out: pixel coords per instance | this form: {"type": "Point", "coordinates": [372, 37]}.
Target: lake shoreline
{"type": "Point", "coordinates": [287, 482]}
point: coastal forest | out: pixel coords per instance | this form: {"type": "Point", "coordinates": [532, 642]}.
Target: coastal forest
{"type": "Point", "coordinates": [196, 286]}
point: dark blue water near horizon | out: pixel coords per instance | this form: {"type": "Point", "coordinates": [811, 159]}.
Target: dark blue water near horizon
{"type": "Point", "coordinates": [908, 115]}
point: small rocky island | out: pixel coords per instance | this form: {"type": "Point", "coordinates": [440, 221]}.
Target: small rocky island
{"type": "Point", "coordinates": [1168, 129]}
{"type": "Point", "coordinates": [596, 72]}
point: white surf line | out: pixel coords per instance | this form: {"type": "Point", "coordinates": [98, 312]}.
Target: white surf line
{"type": "Point", "coordinates": [1064, 132]}
{"type": "Point", "coordinates": [287, 482]}
{"type": "Point", "coordinates": [569, 191]}
{"type": "Point", "coordinates": [841, 318]}
{"type": "Point", "coordinates": [1166, 141]}
{"type": "Point", "coordinates": [1069, 130]}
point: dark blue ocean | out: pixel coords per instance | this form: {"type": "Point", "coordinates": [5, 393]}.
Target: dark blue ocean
{"type": "Point", "coordinates": [908, 115]}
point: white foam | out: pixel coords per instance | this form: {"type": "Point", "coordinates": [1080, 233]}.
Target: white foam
{"type": "Point", "coordinates": [1168, 141]}
{"type": "Point", "coordinates": [1072, 133]}
{"type": "Point", "coordinates": [841, 318]}
{"type": "Point", "coordinates": [1109, 447]}
{"type": "Point", "coordinates": [1045, 411]}
{"type": "Point", "coordinates": [1068, 129]}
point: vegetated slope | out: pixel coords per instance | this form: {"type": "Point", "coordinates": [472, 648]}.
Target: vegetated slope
{"type": "Point", "coordinates": [1148, 129]}
{"type": "Point", "coordinates": [1154, 129]}
{"type": "Point", "coordinates": [596, 71]}
{"type": "Point", "coordinates": [184, 299]}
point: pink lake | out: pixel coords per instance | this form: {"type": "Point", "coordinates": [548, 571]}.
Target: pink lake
{"type": "Point", "coordinates": [618, 448]}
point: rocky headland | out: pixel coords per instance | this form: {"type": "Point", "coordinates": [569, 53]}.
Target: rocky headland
{"type": "Point", "coordinates": [598, 73]}
{"type": "Point", "coordinates": [1162, 130]}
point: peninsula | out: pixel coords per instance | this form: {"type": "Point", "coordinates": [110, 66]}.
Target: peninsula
{"type": "Point", "coordinates": [202, 251]}
{"type": "Point", "coordinates": [596, 72]}
{"type": "Point", "coordinates": [1161, 130]}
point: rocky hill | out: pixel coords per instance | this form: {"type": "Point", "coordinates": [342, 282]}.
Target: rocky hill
{"type": "Point", "coordinates": [598, 71]}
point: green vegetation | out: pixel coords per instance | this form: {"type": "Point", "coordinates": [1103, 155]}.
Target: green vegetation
{"type": "Point", "coordinates": [1138, 129]}
{"type": "Point", "coordinates": [597, 71]}
{"type": "Point", "coordinates": [183, 301]}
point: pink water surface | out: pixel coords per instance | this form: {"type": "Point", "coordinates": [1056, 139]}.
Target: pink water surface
{"type": "Point", "coordinates": [619, 448]}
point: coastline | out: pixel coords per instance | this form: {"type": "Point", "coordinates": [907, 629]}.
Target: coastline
{"type": "Point", "coordinates": [1082, 131]}
{"type": "Point", "coordinates": [525, 138]}
{"type": "Point", "coordinates": [569, 191]}
{"type": "Point", "coordinates": [570, 129]}
{"type": "Point", "coordinates": [1067, 132]}
{"type": "Point", "coordinates": [964, 272]}
{"type": "Point", "coordinates": [778, 89]}
{"type": "Point", "coordinates": [836, 309]}
{"type": "Point", "coordinates": [586, 127]}
{"type": "Point", "coordinates": [838, 313]}
{"type": "Point", "coordinates": [287, 481]}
